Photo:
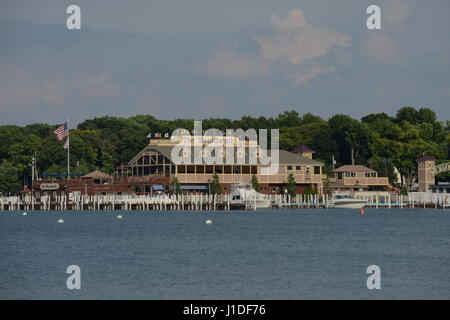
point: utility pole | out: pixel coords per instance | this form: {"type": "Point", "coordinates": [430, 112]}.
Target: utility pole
{"type": "Point", "coordinates": [68, 150]}
{"type": "Point", "coordinates": [33, 169]}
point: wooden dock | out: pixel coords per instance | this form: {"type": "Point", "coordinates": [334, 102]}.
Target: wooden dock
{"type": "Point", "coordinates": [192, 202]}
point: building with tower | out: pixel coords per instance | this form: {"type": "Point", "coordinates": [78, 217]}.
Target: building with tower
{"type": "Point", "coordinates": [426, 172]}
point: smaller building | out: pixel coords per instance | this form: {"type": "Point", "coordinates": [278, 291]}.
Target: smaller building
{"type": "Point", "coordinates": [96, 183]}
{"type": "Point", "coordinates": [99, 177]}
{"type": "Point", "coordinates": [356, 177]}
{"type": "Point", "coordinates": [441, 187]}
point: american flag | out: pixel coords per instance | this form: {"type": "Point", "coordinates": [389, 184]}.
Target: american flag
{"type": "Point", "coordinates": [61, 132]}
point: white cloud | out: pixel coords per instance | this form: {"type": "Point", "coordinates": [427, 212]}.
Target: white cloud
{"type": "Point", "coordinates": [313, 73]}
{"type": "Point", "coordinates": [298, 41]}
{"type": "Point", "coordinates": [226, 62]}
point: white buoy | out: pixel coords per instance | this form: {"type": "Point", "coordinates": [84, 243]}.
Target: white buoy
{"type": "Point", "coordinates": [119, 216]}
{"type": "Point", "coordinates": [24, 213]}
{"type": "Point", "coordinates": [60, 221]}
{"type": "Point", "coordinates": [208, 221]}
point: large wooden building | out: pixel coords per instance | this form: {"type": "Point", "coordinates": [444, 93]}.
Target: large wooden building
{"type": "Point", "coordinates": [155, 160]}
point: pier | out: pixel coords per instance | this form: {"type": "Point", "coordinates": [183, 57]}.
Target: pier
{"type": "Point", "coordinates": [209, 202]}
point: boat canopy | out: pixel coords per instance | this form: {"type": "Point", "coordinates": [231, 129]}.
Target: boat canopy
{"type": "Point", "coordinates": [193, 187]}
{"type": "Point", "coordinates": [157, 187]}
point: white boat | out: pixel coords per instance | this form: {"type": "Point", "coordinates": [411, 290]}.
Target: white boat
{"type": "Point", "coordinates": [347, 201]}
{"type": "Point", "coordinates": [245, 196]}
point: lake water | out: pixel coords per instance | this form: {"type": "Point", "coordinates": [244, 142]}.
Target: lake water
{"type": "Point", "coordinates": [280, 254]}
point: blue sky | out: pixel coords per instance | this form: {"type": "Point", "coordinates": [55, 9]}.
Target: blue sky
{"type": "Point", "coordinates": [216, 58]}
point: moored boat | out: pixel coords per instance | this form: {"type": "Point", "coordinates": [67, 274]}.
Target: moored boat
{"type": "Point", "coordinates": [245, 196]}
{"type": "Point", "coordinates": [347, 201]}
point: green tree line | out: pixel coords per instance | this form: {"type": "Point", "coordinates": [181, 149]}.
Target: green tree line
{"type": "Point", "coordinates": [377, 140]}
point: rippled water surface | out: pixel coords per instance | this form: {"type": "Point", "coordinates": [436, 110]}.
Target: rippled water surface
{"type": "Point", "coordinates": [280, 254]}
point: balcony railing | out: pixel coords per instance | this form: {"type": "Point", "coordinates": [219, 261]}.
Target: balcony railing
{"type": "Point", "coordinates": [234, 178]}
{"type": "Point", "coordinates": [361, 181]}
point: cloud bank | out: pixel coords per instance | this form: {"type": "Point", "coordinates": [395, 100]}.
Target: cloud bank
{"type": "Point", "coordinates": [298, 41]}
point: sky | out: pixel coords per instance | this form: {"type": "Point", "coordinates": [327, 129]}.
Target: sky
{"type": "Point", "coordinates": [220, 58]}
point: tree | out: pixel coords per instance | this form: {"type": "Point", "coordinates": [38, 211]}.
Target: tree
{"type": "Point", "coordinates": [309, 190]}
{"type": "Point", "coordinates": [175, 187]}
{"type": "Point", "coordinates": [291, 185]}
{"type": "Point", "coordinates": [408, 114]}
{"type": "Point", "coordinates": [289, 119]}
{"type": "Point", "coordinates": [310, 118]}
{"type": "Point", "coordinates": [375, 117]}
{"type": "Point", "coordinates": [426, 115]}
{"type": "Point", "coordinates": [215, 187]}
{"type": "Point", "coordinates": [9, 180]}
{"type": "Point", "coordinates": [255, 182]}
{"type": "Point", "coordinates": [20, 152]}
{"type": "Point", "coordinates": [383, 167]}
{"type": "Point", "coordinates": [352, 138]}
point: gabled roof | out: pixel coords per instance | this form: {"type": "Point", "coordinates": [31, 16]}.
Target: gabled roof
{"type": "Point", "coordinates": [353, 168]}
{"type": "Point", "coordinates": [302, 149]}
{"type": "Point", "coordinates": [426, 158]}
{"type": "Point", "coordinates": [285, 157]}
{"type": "Point", "coordinates": [98, 175]}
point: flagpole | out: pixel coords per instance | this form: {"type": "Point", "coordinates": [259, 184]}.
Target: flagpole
{"type": "Point", "coordinates": [68, 150]}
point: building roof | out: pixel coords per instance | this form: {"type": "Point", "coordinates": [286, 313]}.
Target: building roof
{"type": "Point", "coordinates": [285, 157]}
{"type": "Point", "coordinates": [426, 158]}
{"type": "Point", "coordinates": [353, 168]}
{"type": "Point", "coordinates": [98, 175]}
{"type": "Point", "coordinates": [302, 149]}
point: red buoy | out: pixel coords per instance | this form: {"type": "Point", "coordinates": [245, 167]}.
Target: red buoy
{"type": "Point", "coordinates": [361, 212]}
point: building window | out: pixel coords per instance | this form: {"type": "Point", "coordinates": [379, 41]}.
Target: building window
{"type": "Point", "coordinates": [181, 169]}
{"type": "Point", "coordinates": [190, 169]}
{"type": "Point", "coordinates": [317, 170]}
{"type": "Point", "coordinates": [200, 169]}
{"type": "Point", "coordinates": [298, 168]}
{"type": "Point", "coordinates": [289, 167]}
